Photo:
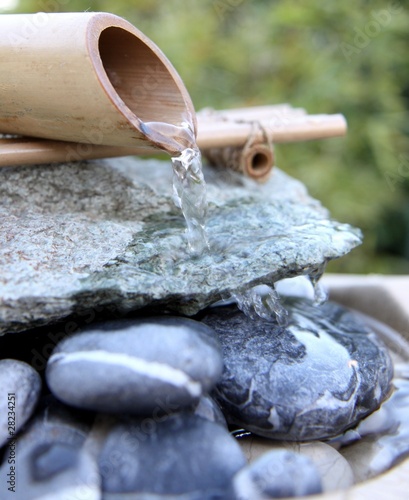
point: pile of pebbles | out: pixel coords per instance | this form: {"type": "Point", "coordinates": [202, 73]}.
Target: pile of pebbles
{"type": "Point", "coordinates": [171, 407]}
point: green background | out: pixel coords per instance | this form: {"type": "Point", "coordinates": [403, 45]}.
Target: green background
{"type": "Point", "coordinates": [328, 57]}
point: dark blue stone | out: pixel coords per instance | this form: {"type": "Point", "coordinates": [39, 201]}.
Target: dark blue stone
{"type": "Point", "coordinates": [312, 379]}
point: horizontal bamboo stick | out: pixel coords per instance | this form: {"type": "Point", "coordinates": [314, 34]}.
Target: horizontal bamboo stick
{"type": "Point", "coordinates": [211, 134]}
{"type": "Point", "coordinates": [279, 129]}
{"type": "Point", "coordinates": [14, 152]}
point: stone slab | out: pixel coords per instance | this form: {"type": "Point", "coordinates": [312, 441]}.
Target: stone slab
{"type": "Point", "coordinates": [106, 233]}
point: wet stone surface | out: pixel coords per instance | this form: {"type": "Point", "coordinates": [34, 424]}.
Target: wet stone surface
{"type": "Point", "coordinates": [136, 366]}
{"type": "Point", "coordinates": [314, 378]}
{"type": "Point", "coordinates": [107, 234]}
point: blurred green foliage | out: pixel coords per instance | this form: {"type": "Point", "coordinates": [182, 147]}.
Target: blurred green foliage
{"type": "Point", "coordinates": [328, 57]}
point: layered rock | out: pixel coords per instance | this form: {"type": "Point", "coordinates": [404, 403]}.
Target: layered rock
{"type": "Point", "coordinates": [106, 233]}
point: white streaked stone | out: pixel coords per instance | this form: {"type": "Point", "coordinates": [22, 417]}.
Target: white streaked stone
{"type": "Point", "coordinates": [150, 366]}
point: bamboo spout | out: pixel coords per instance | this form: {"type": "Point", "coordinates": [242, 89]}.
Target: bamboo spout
{"type": "Point", "coordinates": [89, 78]}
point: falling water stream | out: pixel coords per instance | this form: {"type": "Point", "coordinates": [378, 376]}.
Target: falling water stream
{"type": "Point", "coordinates": [189, 194]}
{"type": "Point", "coordinates": [189, 186]}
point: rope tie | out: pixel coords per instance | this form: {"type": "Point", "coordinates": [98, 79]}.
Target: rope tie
{"type": "Point", "coordinates": [255, 159]}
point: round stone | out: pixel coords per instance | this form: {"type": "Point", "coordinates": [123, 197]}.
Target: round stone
{"type": "Point", "coordinates": [50, 458]}
{"type": "Point", "coordinates": [20, 387]}
{"type": "Point", "coordinates": [312, 379]}
{"type": "Point", "coordinates": [182, 454]}
{"type": "Point", "coordinates": [334, 470]}
{"type": "Point", "coordinates": [154, 365]}
{"type": "Point", "coordinates": [277, 474]}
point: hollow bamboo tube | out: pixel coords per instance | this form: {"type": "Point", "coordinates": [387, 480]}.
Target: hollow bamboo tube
{"type": "Point", "coordinates": [255, 161]}
{"type": "Point", "coordinates": [89, 78]}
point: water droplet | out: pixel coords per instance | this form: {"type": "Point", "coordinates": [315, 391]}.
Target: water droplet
{"type": "Point", "coordinates": [320, 293]}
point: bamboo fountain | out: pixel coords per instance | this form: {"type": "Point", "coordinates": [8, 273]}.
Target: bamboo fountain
{"type": "Point", "coordinates": [89, 85]}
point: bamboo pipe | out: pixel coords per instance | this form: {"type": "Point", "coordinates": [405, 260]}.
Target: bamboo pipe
{"type": "Point", "coordinates": [90, 78]}
{"type": "Point", "coordinates": [19, 151]}
{"type": "Point", "coordinates": [255, 160]}
{"type": "Point", "coordinates": [33, 151]}
{"type": "Point", "coordinates": [286, 129]}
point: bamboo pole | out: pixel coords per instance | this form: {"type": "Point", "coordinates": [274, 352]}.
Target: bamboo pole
{"type": "Point", "coordinates": [27, 151]}
{"type": "Point", "coordinates": [279, 130]}
{"type": "Point", "coordinates": [88, 78]}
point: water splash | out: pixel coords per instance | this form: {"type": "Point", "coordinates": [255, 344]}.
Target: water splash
{"type": "Point", "coordinates": [320, 293]}
{"type": "Point", "coordinates": [189, 194]}
{"type": "Point", "coordinates": [261, 301]}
